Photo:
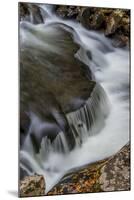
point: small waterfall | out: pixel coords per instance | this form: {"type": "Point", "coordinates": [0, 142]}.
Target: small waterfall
{"type": "Point", "coordinates": [46, 11]}
{"type": "Point", "coordinates": [90, 119]}
{"type": "Point", "coordinates": [58, 145]}
{"type": "Point", "coordinates": [100, 127]}
{"type": "Point", "coordinates": [84, 122]}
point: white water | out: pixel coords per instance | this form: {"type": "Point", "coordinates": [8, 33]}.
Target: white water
{"type": "Point", "coordinates": [110, 67]}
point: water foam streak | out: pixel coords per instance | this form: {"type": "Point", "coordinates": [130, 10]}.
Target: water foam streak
{"type": "Point", "coordinates": [101, 126]}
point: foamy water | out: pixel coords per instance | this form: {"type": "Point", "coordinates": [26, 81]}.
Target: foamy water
{"type": "Point", "coordinates": [110, 67]}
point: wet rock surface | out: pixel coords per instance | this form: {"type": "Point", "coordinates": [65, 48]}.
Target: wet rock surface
{"type": "Point", "coordinates": [92, 18]}
{"type": "Point", "coordinates": [24, 126]}
{"type": "Point", "coordinates": [115, 175]}
{"type": "Point", "coordinates": [32, 186]}
{"type": "Point", "coordinates": [112, 174]}
{"type": "Point", "coordinates": [44, 69]}
{"type": "Point", "coordinates": [53, 81]}
{"type": "Point", "coordinates": [107, 175]}
{"type": "Point", "coordinates": [68, 12]}
{"type": "Point", "coordinates": [31, 13]}
{"type": "Point", "coordinates": [114, 23]}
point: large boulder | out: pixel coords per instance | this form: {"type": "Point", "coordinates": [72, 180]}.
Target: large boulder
{"type": "Point", "coordinates": [92, 18]}
{"type": "Point", "coordinates": [112, 174]}
{"type": "Point", "coordinates": [115, 175]}
{"type": "Point", "coordinates": [53, 80]}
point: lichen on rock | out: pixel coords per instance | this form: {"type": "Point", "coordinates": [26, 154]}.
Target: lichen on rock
{"type": "Point", "coordinates": [115, 175]}
{"type": "Point", "coordinates": [32, 186]}
{"type": "Point", "coordinates": [114, 23]}
{"type": "Point", "coordinates": [111, 174]}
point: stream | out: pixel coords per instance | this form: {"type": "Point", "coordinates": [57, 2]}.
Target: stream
{"type": "Point", "coordinates": [87, 110]}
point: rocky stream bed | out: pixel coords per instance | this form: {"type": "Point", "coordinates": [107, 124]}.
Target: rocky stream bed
{"type": "Point", "coordinates": [110, 174]}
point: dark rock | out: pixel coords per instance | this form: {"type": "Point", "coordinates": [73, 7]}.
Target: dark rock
{"type": "Point", "coordinates": [32, 186]}
{"type": "Point", "coordinates": [120, 41]}
{"type": "Point", "coordinates": [92, 18]}
{"type": "Point", "coordinates": [31, 13]}
{"type": "Point", "coordinates": [24, 126]}
{"type": "Point", "coordinates": [68, 12]}
{"type": "Point", "coordinates": [24, 122]}
{"type": "Point", "coordinates": [118, 28]}
{"type": "Point", "coordinates": [22, 173]}
{"type": "Point", "coordinates": [24, 12]}
{"type": "Point", "coordinates": [53, 83]}
{"type": "Point", "coordinates": [113, 22]}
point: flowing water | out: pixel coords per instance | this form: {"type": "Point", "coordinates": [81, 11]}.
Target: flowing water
{"type": "Point", "coordinates": [101, 126]}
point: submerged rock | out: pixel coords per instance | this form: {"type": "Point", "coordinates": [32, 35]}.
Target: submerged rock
{"type": "Point", "coordinates": [32, 186]}
{"type": "Point", "coordinates": [24, 126]}
{"type": "Point", "coordinates": [112, 174]}
{"type": "Point", "coordinates": [54, 71]}
{"type": "Point", "coordinates": [53, 80]}
{"type": "Point", "coordinates": [120, 41]}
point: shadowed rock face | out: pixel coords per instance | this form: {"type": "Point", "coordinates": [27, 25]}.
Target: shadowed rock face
{"type": "Point", "coordinates": [53, 81]}
{"type": "Point", "coordinates": [30, 12]}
